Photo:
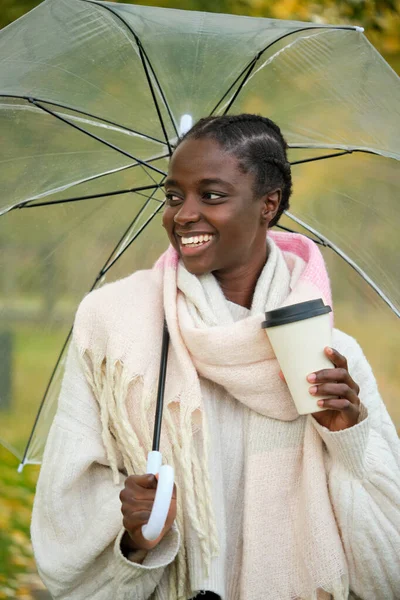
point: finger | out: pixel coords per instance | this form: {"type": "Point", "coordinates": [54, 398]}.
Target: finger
{"type": "Point", "coordinates": [136, 494]}
{"type": "Point", "coordinates": [147, 481]}
{"type": "Point", "coordinates": [128, 508]}
{"type": "Point", "coordinates": [140, 514]}
{"type": "Point", "coordinates": [135, 520]}
{"type": "Point", "coordinates": [336, 358]}
{"type": "Point", "coordinates": [340, 362]}
{"type": "Point", "coordinates": [140, 486]}
{"type": "Point", "coordinates": [174, 492]}
{"type": "Point", "coordinates": [338, 390]}
{"type": "Point", "coordinates": [338, 404]}
{"type": "Point", "coordinates": [327, 375]}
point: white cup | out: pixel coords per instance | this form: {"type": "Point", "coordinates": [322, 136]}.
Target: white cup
{"type": "Point", "coordinates": [298, 335]}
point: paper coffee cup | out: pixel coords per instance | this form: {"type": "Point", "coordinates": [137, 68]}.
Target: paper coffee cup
{"type": "Point", "coordinates": [298, 335]}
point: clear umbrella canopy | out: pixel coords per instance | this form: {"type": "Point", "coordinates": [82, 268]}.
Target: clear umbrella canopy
{"type": "Point", "coordinates": [92, 99]}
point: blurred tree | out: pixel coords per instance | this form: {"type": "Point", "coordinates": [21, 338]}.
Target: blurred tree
{"type": "Point", "coordinates": [380, 18]}
{"type": "Point", "coordinates": [13, 9]}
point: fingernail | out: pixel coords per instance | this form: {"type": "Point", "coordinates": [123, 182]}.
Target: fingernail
{"type": "Point", "coordinates": [320, 402]}
{"type": "Point", "coordinates": [313, 389]}
{"type": "Point", "coordinates": [311, 378]}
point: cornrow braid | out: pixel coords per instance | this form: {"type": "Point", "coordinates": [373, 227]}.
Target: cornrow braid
{"type": "Point", "coordinates": [258, 144]}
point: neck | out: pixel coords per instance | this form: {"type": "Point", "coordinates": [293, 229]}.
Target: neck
{"type": "Point", "coordinates": [238, 284]}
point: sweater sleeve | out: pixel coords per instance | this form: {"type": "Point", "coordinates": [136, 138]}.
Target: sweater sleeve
{"type": "Point", "coordinates": [363, 466]}
{"type": "Point", "coordinates": [76, 521]}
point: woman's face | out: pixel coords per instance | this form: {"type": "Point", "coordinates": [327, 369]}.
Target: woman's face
{"type": "Point", "coordinates": [211, 216]}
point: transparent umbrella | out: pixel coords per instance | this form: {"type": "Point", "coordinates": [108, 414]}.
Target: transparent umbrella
{"type": "Point", "coordinates": [93, 96]}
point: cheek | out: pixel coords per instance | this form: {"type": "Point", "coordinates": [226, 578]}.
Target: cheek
{"type": "Point", "coordinates": [168, 224]}
{"type": "Point", "coordinates": [168, 219]}
{"type": "Point", "coordinates": [240, 229]}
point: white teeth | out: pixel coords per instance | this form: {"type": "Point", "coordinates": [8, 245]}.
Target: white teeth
{"type": "Point", "coordinates": [197, 239]}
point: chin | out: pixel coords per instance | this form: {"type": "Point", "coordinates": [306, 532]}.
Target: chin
{"type": "Point", "coordinates": [195, 268]}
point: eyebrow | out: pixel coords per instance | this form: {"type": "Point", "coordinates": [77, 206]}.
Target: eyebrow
{"type": "Point", "coordinates": [170, 181]}
{"type": "Point", "coordinates": [205, 181]}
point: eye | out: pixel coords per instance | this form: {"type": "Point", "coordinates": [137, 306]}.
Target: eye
{"type": "Point", "coordinates": [213, 196]}
{"type": "Point", "coordinates": [172, 199]}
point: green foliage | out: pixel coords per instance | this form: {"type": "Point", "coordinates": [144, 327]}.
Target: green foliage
{"type": "Point", "coordinates": [18, 577]}
{"type": "Point", "coordinates": [12, 9]}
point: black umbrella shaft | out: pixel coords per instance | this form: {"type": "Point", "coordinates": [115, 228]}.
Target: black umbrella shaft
{"type": "Point", "coordinates": [161, 388]}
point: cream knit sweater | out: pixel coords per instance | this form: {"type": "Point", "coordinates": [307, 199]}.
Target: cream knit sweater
{"type": "Point", "coordinates": [77, 524]}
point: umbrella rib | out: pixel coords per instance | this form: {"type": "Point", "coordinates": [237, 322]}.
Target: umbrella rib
{"type": "Point", "coordinates": [143, 56]}
{"type": "Point", "coordinates": [95, 137]}
{"type": "Point", "coordinates": [346, 258]}
{"type": "Point", "coordinates": [153, 95]}
{"type": "Point", "coordinates": [261, 52]}
{"type": "Point", "coordinates": [22, 463]}
{"type": "Point", "coordinates": [243, 71]}
{"type": "Point", "coordinates": [307, 160]}
{"type": "Point", "coordinates": [150, 218]}
{"type": "Point", "coordinates": [319, 242]}
{"type": "Point", "coordinates": [82, 112]}
{"type": "Point", "coordinates": [159, 87]}
{"type": "Point", "coordinates": [91, 197]}
{"type": "Point", "coordinates": [102, 272]}
{"type": "Point", "coordinates": [25, 203]}
{"type": "Point", "coordinates": [345, 150]}
{"type": "Point", "coordinates": [243, 82]}
{"type": "Point", "coordinates": [105, 267]}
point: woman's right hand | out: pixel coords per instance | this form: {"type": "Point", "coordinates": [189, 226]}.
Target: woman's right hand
{"type": "Point", "coordinates": [137, 500]}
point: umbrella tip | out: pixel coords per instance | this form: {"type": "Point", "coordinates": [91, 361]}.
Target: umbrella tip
{"type": "Point", "coordinates": [185, 124]}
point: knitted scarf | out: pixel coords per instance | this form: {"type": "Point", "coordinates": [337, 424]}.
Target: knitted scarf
{"type": "Point", "coordinates": [287, 509]}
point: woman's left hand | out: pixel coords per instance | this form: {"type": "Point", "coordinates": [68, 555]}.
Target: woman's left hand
{"type": "Point", "coordinates": [344, 408]}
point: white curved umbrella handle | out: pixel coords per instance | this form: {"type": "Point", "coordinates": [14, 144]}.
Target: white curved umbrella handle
{"type": "Point", "coordinates": [165, 486]}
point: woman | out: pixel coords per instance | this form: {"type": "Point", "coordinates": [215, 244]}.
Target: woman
{"type": "Point", "coordinates": [270, 505]}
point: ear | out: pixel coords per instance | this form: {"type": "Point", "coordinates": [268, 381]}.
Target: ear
{"type": "Point", "coordinates": [270, 205]}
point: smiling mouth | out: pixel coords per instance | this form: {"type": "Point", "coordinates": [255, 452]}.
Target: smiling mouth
{"type": "Point", "coordinates": [196, 240]}
{"type": "Point", "coordinates": [194, 244]}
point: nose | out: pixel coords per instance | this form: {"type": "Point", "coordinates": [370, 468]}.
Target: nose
{"type": "Point", "coordinates": [188, 212]}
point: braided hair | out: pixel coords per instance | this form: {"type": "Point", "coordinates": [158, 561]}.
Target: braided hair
{"type": "Point", "coordinates": [260, 147]}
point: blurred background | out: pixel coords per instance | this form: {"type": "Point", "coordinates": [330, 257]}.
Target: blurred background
{"type": "Point", "coordinates": [380, 18]}
{"type": "Point", "coordinates": [31, 349]}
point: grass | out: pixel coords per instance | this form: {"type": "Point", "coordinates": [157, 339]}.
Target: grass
{"type": "Point", "coordinates": [35, 351]}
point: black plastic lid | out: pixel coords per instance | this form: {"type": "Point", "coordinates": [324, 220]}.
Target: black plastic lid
{"type": "Point", "coordinates": [295, 312]}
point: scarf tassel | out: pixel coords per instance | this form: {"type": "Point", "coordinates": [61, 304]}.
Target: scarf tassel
{"type": "Point", "coordinates": [110, 385]}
